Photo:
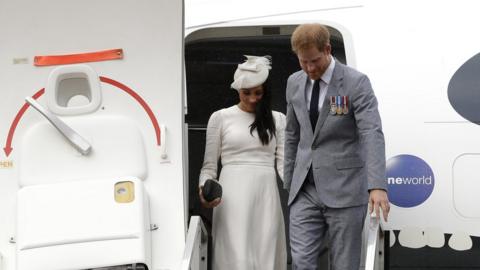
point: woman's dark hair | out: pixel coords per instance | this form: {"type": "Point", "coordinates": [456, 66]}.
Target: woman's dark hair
{"type": "Point", "coordinates": [264, 122]}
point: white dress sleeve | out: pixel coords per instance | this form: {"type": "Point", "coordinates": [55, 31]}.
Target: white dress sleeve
{"type": "Point", "coordinates": [212, 148]}
{"type": "Point", "coordinates": [280, 123]}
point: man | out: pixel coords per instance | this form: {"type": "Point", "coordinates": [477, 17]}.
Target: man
{"type": "Point", "coordinates": [334, 154]}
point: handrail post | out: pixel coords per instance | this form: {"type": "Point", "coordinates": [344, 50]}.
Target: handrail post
{"type": "Point", "coordinates": [196, 246]}
{"type": "Point", "coordinates": [374, 244]}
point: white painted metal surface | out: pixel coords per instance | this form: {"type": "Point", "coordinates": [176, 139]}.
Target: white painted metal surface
{"type": "Point", "coordinates": [139, 92]}
{"type": "Point", "coordinates": [81, 221]}
{"type": "Point", "coordinates": [195, 255]}
{"type": "Point", "coordinates": [372, 231]}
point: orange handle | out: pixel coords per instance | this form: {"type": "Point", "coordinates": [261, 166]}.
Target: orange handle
{"type": "Point", "coordinates": [50, 60]}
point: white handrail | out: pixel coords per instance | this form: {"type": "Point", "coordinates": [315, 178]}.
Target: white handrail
{"type": "Point", "coordinates": [195, 254]}
{"type": "Point", "coordinates": [372, 236]}
{"type": "Point", "coordinates": [163, 142]}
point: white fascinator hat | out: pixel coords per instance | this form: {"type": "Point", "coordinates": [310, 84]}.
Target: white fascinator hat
{"type": "Point", "coordinates": [253, 72]}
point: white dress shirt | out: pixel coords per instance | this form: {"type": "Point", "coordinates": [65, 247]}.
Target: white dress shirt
{"type": "Point", "coordinates": [324, 82]}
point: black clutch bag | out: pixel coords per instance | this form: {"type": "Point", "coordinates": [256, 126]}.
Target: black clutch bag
{"type": "Point", "coordinates": [212, 190]}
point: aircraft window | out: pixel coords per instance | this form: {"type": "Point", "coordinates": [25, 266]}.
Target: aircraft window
{"type": "Point", "coordinates": [465, 185]}
{"type": "Point", "coordinates": [463, 91]}
{"type": "Point", "coordinates": [73, 92]}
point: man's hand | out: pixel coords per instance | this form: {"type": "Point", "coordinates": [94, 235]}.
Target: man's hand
{"type": "Point", "coordinates": [205, 203]}
{"type": "Point", "coordinates": [379, 199]}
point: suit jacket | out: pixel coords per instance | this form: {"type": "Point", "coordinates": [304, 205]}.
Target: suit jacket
{"type": "Point", "coordinates": [347, 152]}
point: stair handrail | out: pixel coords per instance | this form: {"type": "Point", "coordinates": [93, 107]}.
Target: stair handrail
{"type": "Point", "coordinates": [196, 245]}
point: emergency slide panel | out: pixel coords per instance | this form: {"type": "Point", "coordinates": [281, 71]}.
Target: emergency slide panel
{"type": "Point", "coordinates": [72, 225]}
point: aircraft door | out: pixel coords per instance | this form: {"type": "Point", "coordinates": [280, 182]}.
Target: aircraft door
{"type": "Point", "coordinates": [74, 203]}
{"type": "Point", "coordinates": [119, 178]}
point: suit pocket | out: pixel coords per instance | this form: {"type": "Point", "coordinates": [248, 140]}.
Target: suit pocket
{"type": "Point", "coordinates": [349, 163]}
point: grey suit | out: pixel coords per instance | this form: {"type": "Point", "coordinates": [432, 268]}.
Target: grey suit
{"type": "Point", "coordinates": [346, 156]}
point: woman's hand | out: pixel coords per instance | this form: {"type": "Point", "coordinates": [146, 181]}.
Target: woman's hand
{"type": "Point", "coordinates": [204, 202]}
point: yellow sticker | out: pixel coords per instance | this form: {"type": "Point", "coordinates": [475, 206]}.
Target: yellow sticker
{"type": "Point", "coordinates": [6, 164]}
{"type": "Point", "coordinates": [124, 192]}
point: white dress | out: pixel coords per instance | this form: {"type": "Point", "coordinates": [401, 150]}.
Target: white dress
{"type": "Point", "coordinates": [248, 229]}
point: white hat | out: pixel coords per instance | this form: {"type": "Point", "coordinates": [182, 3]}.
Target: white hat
{"type": "Point", "coordinates": [252, 73]}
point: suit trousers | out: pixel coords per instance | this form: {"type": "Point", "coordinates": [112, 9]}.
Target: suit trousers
{"type": "Point", "coordinates": [312, 223]}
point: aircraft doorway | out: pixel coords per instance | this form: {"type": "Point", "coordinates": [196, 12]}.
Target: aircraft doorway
{"type": "Point", "coordinates": [211, 57]}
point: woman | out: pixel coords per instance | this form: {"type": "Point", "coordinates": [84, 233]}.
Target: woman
{"type": "Point", "coordinates": [248, 228]}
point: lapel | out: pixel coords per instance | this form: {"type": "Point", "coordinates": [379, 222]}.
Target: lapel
{"type": "Point", "coordinates": [300, 102]}
{"type": "Point", "coordinates": [336, 83]}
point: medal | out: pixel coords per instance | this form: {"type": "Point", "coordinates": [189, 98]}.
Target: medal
{"type": "Point", "coordinates": [339, 104]}
{"type": "Point", "coordinates": [345, 104]}
{"type": "Point", "coordinates": [333, 106]}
